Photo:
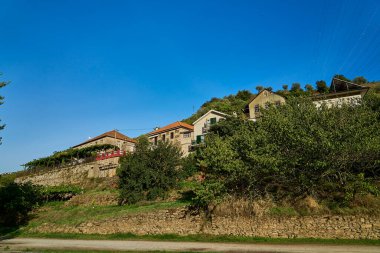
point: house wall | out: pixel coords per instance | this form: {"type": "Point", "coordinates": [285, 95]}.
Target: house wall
{"type": "Point", "coordinates": [204, 123]}
{"type": "Point", "coordinates": [179, 138]}
{"type": "Point", "coordinates": [123, 145]}
{"type": "Point", "coordinates": [350, 100]}
{"type": "Point", "coordinates": [262, 99]}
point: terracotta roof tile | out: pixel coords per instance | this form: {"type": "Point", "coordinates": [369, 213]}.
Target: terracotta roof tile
{"type": "Point", "coordinates": [112, 134]}
{"type": "Point", "coordinates": [172, 126]}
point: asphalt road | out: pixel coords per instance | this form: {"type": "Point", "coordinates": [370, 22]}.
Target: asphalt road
{"type": "Point", "coordinates": [32, 243]}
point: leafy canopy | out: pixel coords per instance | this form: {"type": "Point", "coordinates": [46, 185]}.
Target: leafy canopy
{"type": "Point", "coordinates": [295, 150]}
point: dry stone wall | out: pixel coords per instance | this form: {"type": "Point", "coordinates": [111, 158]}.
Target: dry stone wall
{"type": "Point", "coordinates": [74, 174]}
{"type": "Point", "coordinates": [178, 221]}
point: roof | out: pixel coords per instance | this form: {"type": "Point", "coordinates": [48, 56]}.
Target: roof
{"type": "Point", "coordinates": [112, 134]}
{"type": "Point", "coordinates": [338, 85]}
{"type": "Point", "coordinates": [172, 126]}
{"type": "Point", "coordinates": [211, 111]}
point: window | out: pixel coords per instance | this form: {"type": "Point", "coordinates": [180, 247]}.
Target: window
{"type": "Point", "coordinates": [257, 108]}
{"type": "Point", "coordinates": [199, 139]}
{"type": "Point", "coordinates": [187, 135]}
{"type": "Point", "coordinates": [213, 121]}
{"type": "Point", "coordinates": [163, 137]}
{"type": "Point", "coordinates": [171, 135]}
{"type": "Point", "coordinates": [155, 140]}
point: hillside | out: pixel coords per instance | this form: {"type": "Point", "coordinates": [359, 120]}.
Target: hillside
{"type": "Point", "coordinates": [236, 103]}
{"type": "Point", "coordinates": [228, 104]}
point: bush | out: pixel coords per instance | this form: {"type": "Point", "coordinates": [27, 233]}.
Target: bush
{"type": "Point", "coordinates": [16, 200]}
{"type": "Point", "coordinates": [59, 193]}
{"type": "Point", "coordinates": [149, 172]}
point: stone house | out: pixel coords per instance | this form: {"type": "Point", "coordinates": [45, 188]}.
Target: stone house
{"type": "Point", "coordinates": [341, 92]}
{"type": "Point", "coordinates": [262, 100]}
{"type": "Point", "coordinates": [203, 124]}
{"type": "Point", "coordinates": [107, 161]}
{"type": "Point", "coordinates": [178, 133]}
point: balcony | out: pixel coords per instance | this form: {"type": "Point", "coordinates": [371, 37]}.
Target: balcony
{"type": "Point", "coordinates": [107, 155]}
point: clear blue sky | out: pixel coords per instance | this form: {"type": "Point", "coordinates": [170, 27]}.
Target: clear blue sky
{"type": "Point", "coordinates": [80, 68]}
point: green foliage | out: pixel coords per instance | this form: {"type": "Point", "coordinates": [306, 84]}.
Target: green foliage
{"type": "Point", "coordinates": [67, 157]}
{"type": "Point", "coordinates": [188, 166]}
{"type": "Point", "coordinates": [229, 104]}
{"type": "Point", "coordinates": [342, 77]}
{"type": "Point", "coordinates": [360, 80]}
{"type": "Point", "coordinates": [322, 87]}
{"type": "Point", "coordinates": [309, 89]}
{"type": "Point", "coordinates": [16, 200]}
{"type": "Point", "coordinates": [244, 95]}
{"type": "Point", "coordinates": [149, 172]}
{"type": "Point", "coordinates": [259, 88]}
{"type": "Point", "coordinates": [295, 150]}
{"type": "Point", "coordinates": [59, 193]}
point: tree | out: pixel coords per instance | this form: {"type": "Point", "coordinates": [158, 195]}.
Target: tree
{"type": "Point", "coordinates": [259, 88]}
{"type": "Point", "coordinates": [285, 87]}
{"type": "Point", "coordinates": [244, 95]}
{"type": "Point", "coordinates": [295, 150]}
{"type": "Point", "coordinates": [16, 201]}
{"type": "Point", "coordinates": [2, 84]}
{"type": "Point", "coordinates": [309, 88]}
{"type": "Point", "coordinates": [269, 88]}
{"type": "Point", "coordinates": [295, 87]}
{"type": "Point", "coordinates": [360, 80]}
{"type": "Point", "coordinates": [342, 77]}
{"type": "Point", "coordinates": [149, 172]}
{"type": "Point", "coordinates": [321, 86]}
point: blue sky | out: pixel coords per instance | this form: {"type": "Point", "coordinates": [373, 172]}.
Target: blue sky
{"type": "Point", "coordinates": [81, 68]}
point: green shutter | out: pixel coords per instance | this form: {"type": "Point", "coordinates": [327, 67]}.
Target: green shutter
{"type": "Point", "coordinates": [213, 121]}
{"type": "Point", "coordinates": [199, 139]}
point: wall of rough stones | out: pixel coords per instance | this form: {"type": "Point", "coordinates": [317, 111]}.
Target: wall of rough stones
{"type": "Point", "coordinates": [178, 221]}
{"type": "Point", "coordinates": [74, 174]}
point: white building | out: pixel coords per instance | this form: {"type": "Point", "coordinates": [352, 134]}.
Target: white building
{"type": "Point", "coordinates": [203, 124]}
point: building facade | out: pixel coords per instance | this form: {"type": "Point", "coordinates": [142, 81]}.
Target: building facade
{"type": "Point", "coordinates": [262, 100]}
{"type": "Point", "coordinates": [178, 133]}
{"type": "Point", "coordinates": [203, 124]}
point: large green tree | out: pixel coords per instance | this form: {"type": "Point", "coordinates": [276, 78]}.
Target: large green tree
{"type": "Point", "coordinates": [293, 151]}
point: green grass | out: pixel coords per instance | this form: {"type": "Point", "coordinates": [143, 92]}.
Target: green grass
{"type": "Point", "coordinates": [202, 238]}
{"type": "Point", "coordinates": [57, 213]}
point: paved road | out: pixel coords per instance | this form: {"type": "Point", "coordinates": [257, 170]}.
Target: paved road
{"type": "Point", "coordinates": [30, 243]}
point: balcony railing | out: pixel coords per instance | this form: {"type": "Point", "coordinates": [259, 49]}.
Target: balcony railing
{"type": "Point", "coordinates": [103, 156]}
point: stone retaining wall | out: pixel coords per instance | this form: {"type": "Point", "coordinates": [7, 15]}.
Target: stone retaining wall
{"type": "Point", "coordinates": [177, 221]}
{"type": "Point", "coordinates": [73, 174]}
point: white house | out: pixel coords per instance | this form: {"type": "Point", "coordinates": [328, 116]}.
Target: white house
{"type": "Point", "coordinates": [203, 124]}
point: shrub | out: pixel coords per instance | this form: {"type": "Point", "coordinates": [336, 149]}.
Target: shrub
{"type": "Point", "coordinates": [149, 172]}
{"type": "Point", "coordinates": [16, 200]}
{"type": "Point", "coordinates": [59, 193]}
